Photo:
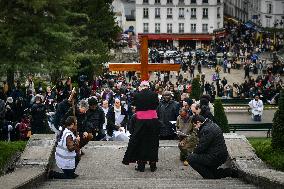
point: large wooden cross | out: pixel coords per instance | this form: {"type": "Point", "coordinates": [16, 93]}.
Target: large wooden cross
{"type": "Point", "coordinates": [144, 67]}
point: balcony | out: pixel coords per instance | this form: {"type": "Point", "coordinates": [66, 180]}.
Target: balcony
{"type": "Point", "coordinates": [169, 16]}
{"type": "Point", "coordinates": [218, 16]}
{"type": "Point", "coordinates": [205, 17]}
{"type": "Point", "coordinates": [146, 16]}
{"type": "Point", "coordinates": [193, 16]}
{"type": "Point", "coordinates": [193, 31]}
{"type": "Point", "coordinates": [157, 16]}
{"type": "Point", "coordinates": [181, 16]}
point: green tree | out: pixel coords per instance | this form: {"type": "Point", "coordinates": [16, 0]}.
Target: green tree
{"type": "Point", "coordinates": [195, 89]}
{"type": "Point", "coordinates": [95, 32]}
{"type": "Point", "coordinates": [34, 36]}
{"type": "Point", "coordinates": [55, 37]}
{"type": "Point", "coordinates": [220, 116]}
{"type": "Point", "coordinates": [278, 125]}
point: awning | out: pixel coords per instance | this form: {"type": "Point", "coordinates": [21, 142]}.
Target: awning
{"type": "Point", "coordinates": [249, 25]}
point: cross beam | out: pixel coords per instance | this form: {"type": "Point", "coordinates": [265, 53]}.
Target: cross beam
{"type": "Point", "coordinates": [144, 67]}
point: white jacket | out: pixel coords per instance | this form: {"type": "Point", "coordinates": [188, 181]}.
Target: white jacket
{"type": "Point", "coordinates": [64, 158]}
{"type": "Point", "coordinates": [256, 106]}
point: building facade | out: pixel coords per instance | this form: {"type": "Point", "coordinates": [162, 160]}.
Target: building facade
{"type": "Point", "coordinates": [118, 9]}
{"type": "Point", "coordinates": [177, 20]}
{"type": "Point", "coordinates": [265, 13]}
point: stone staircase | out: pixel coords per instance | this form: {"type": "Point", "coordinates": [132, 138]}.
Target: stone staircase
{"type": "Point", "coordinates": [101, 167]}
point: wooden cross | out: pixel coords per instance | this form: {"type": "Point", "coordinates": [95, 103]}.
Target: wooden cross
{"type": "Point", "coordinates": [144, 67]}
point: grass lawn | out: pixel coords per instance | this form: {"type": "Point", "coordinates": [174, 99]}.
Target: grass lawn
{"type": "Point", "coordinates": [274, 158]}
{"type": "Point", "coordinates": [8, 149]}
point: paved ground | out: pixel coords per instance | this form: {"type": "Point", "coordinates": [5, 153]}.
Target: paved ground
{"type": "Point", "coordinates": [101, 167]}
{"type": "Point", "coordinates": [236, 76]}
{"type": "Point", "coordinates": [245, 117]}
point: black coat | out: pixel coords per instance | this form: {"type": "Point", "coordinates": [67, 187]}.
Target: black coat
{"type": "Point", "coordinates": [39, 119]}
{"type": "Point", "coordinates": [145, 100]}
{"type": "Point", "coordinates": [205, 112]}
{"type": "Point", "coordinates": [211, 140]}
{"type": "Point", "coordinates": [95, 118]}
{"type": "Point", "coordinates": [167, 111]}
{"type": "Point", "coordinates": [60, 114]}
{"type": "Point", "coordinates": [111, 120]}
{"type": "Point", "coordinates": [144, 140]}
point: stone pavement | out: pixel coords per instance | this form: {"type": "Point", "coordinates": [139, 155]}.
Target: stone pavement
{"type": "Point", "coordinates": [101, 167]}
{"type": "Point", "coordinates": [245, 117]}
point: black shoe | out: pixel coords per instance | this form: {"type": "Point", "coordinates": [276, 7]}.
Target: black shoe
{"type": "Point", "coordinates": [153, 167]}
{"type": "Point", "coordinates": [75, 175]}
{"type": "Point", "coordinates": [50, 174]}
{"type": "Point", "coordinates": [140, 167]}
{"type": "Point", "coordinates": [234, 173]}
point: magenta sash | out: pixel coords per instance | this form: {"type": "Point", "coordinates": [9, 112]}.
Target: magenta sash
{"type": "Point", "coordinates": [148, 114]}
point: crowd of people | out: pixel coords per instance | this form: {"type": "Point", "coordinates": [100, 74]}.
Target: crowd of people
{"type": "Point", "coordinates": [122, 107]}
{"type": "Point", "coordinates": [108, 109]}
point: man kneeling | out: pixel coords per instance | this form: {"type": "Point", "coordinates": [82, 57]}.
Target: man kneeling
{"type": "Point", "coordinates": [67, 151]}
{"type": "Point", "coordinates": [211, 151]}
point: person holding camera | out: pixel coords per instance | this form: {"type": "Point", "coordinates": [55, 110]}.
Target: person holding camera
{"type": "Point", "coordinates": [95, 118]}
{"type": "Point", "coordinates": [211, 151]}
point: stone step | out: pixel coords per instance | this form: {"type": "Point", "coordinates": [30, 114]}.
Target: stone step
{"type": "Point", "coordinates": [145, 183]}
{"type": "Point", "coordinates": [101, 167]}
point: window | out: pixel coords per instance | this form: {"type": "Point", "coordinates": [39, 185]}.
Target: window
{"type": "Point", "coordinates": [169, 13]}
{"type": "Point", "coordinates": [269, 8]}
{"type": "Point", "coordinates": [193, 28]}
{"type": "Point", "coordinates": [181, 2]}
{"type": "Point", "coordinates": [157, 12]}
{"type": "Point", "coordinates": [145, 13]}
{"type": "Point", "coordinates": [146, 27]}
{"type": "Point", "coordinates": [267, 22]}
{"type": "Point", "coordinates": [218, 12]}
{"type": "Point", "coordinates": [181, 27]}
{"type": "Point", "coordinates": [145, 1]}
{"type": "Point", "coordinates": [169, 1]}
{"type": "Point", "coordinates": [218, 25]}
{"type": "Point", "coordinates": [205, 12]}
{"type": "Point", "coordinates": [204, 28]}
{"type": "Point", "coordinates": [218, 1]}
{"type": "Point", "coordinates": [193, 1]}
{"type": "Point", "coordinates": [157, 27]}
{"type": "Point", "coordinates": [205, 1]}
{"type": "Point", "coordinates": [169, 28]}
{"type": "Point", "coordinates": [193, 12]}
{"type": "Point", "coordinates": [181, 12]}
{"type": "Point", "coordinates": [157, 1]}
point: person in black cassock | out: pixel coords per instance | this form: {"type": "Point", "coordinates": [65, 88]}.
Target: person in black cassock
{"type": "Point", "coordinates": [143, 145]}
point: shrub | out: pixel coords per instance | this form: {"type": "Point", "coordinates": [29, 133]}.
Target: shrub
{"type": "Point", "coordinates": [195, 89]}
{"type": "Point", "coordinates": [220, 116]}
{"type": "Point", "coordinates": [264, 151]}
{"type": "Point", "coordinates": [8, 149]}
{"type": "Point", "coordinates": [278, 125]}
